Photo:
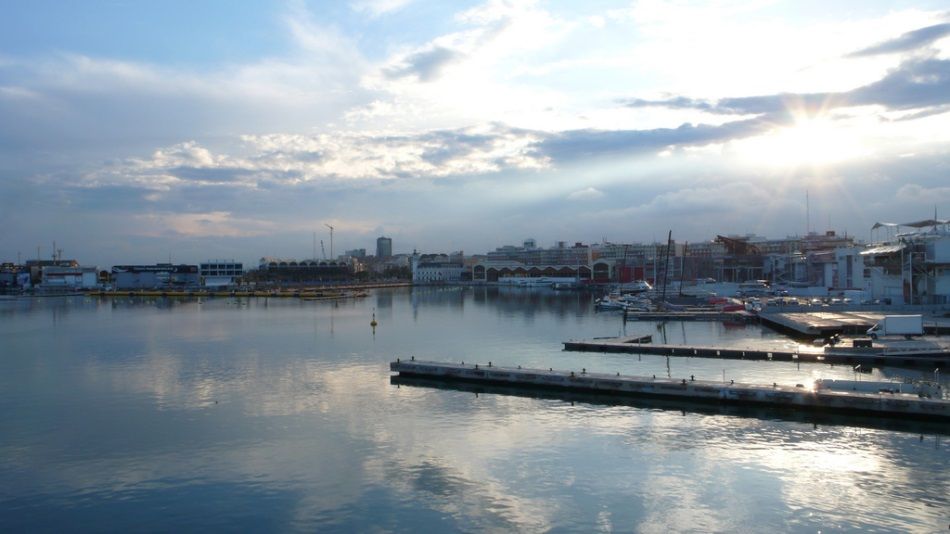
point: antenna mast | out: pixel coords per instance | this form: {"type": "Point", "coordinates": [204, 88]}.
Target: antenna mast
{"type": "Point", "coordinates": [807, 214]}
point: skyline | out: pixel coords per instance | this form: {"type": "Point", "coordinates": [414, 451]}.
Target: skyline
{"type": "Point", "coordinates": [137, 131]}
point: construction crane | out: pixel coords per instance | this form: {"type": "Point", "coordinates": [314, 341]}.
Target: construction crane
{"type": "Point", "coordinates": [331, 241]}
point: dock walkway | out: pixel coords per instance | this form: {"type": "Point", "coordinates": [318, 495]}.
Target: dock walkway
{"type": "Point", "coordinates": [798, 397]}
{"type": "Point", "coordinates": [920, 354]}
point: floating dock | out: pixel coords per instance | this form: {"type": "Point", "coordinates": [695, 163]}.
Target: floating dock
{"type": "Point", "coordinates": [691, 315]}
{"type": "Point", "coordinates": [799, 398]}
{"type": "Point", "coordinates": [919, 354]}
{"type": "Point", "coordinates": [683, 405]}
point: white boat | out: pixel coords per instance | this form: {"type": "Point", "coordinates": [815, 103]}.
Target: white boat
{"type": "Point", "coordinates": [638, 286]}
{"type": "Point", "coordinates": [617, 301]}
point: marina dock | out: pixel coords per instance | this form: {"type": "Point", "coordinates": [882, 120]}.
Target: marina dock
{"type": "Point", "coordinates": [911, 354]}
{"type": "Point", "coordinates": [690, 315]}
{"type": "Point", "coordinates": [843, 322]}
{"type": "Point", "coordinates": [881, 403]}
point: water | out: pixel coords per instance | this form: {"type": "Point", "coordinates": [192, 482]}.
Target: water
{"type": "Point", "coordinates": [271, 414]}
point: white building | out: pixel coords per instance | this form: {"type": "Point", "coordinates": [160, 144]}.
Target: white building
{"type": "Point", "coordinates": [437, 268]}
{"type": "Point", "coordinates": [911, 267]}
{"type": "Point", "coordinates": [69, 277]}
{"type": "Point", "coordinates": [217, 273]}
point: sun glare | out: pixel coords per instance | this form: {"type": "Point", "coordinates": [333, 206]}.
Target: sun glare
{"type": "Point", "coordinates": [811, 142]}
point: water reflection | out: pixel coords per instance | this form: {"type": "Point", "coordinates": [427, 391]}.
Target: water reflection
{"type": "Point", "coordinates": [280, 415]}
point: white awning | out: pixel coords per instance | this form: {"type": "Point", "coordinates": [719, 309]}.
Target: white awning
{"type": "Point", "coordinates": [883, 249]}
{"type": "Point", "coordinates": [916, 224]}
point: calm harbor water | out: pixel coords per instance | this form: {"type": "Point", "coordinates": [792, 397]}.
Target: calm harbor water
{"type": "Point", "coordinates": [264, 414]}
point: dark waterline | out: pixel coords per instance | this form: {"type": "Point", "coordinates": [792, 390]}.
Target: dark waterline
{"type": "Point", "coordinates": [280, 415]}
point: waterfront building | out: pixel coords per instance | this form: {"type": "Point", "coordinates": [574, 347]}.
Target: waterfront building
{"type": "Point", "coordinates": [437, 268]}
{"type": "Point", "coordinates": [384, 248]}
{"type": "Point", "coordinates": [912, 267]}
{"type": "Point", "coordinates": [358, 253]}
{"type": "Point", "coordinates": [158, 276]}
{"type": "Point", "coordinates": [217, 273]}
{"type": "Point", "coordinates": [54, 277]}
{"type": "Point", "coordinates": [529, 254]}
{"type": "Point", "coordinates": [529, 261]}
{"type": "Point", "coordinates": [624, 263]}
{"type": "Point", "coordinates": [13, 277]}
{"type": "Point", "coordinates": [36, 267]}
{"type": "Point", "coordinates": [497, 270]}
{"type": "Point", "coordinates": [278, 270]}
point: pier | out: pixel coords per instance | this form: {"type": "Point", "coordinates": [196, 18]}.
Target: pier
{"type": "Point", "coordinates": [898, 353]}
{"type": "Point", "coordinates": [798, 397]}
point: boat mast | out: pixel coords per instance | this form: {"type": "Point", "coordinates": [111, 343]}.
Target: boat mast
{"type": "Point", "coordinates": [666, 270]}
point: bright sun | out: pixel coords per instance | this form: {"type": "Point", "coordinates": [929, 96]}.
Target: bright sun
{"type": "Point", "coordinates": [812, 142]}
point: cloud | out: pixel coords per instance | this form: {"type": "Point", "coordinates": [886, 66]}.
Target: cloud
{"type": "Point", "coordinates": [425, 65]}
{"type": "Point", "coordinates": [377, 8]}
{"type": "Point", "coordinates": [216, 224]}
{"type": "Point", "coordinates": [920, 195]}
{"type": "Point", "coordinates": [911, 40]}
{"type": "Point", "coordinates": [286, 160]}
{"type": "Point", "coordinates": [81, 100]}
{"type": "Point", "coordinates": [589, 193]}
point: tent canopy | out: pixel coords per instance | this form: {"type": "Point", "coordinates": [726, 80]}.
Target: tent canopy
{"type": "Point", "coordinates": [915, 224]}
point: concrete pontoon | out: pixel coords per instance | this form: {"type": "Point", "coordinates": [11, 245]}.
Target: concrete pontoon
{"type": "Point", "coordinates": [798, 397]}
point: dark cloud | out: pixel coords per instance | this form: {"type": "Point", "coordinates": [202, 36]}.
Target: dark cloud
{"type": "Point", "coordinates": [914, 84]}
{"type": "Point", "coordinates": [909, 41]}
{"type": "Point", "coordinates": [578, 144]}
{"type": "Point", "coordinates": [425, 65]}
{"type": "Point", "coordinates": [747, 105]}
{"type": "Point", "coordinates": [446, 145]}
{"type": "Point", "coordinates": [217, 175]}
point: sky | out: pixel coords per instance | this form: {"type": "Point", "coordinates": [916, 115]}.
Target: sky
{"type": "Point", "coordinates": [143, 132]}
